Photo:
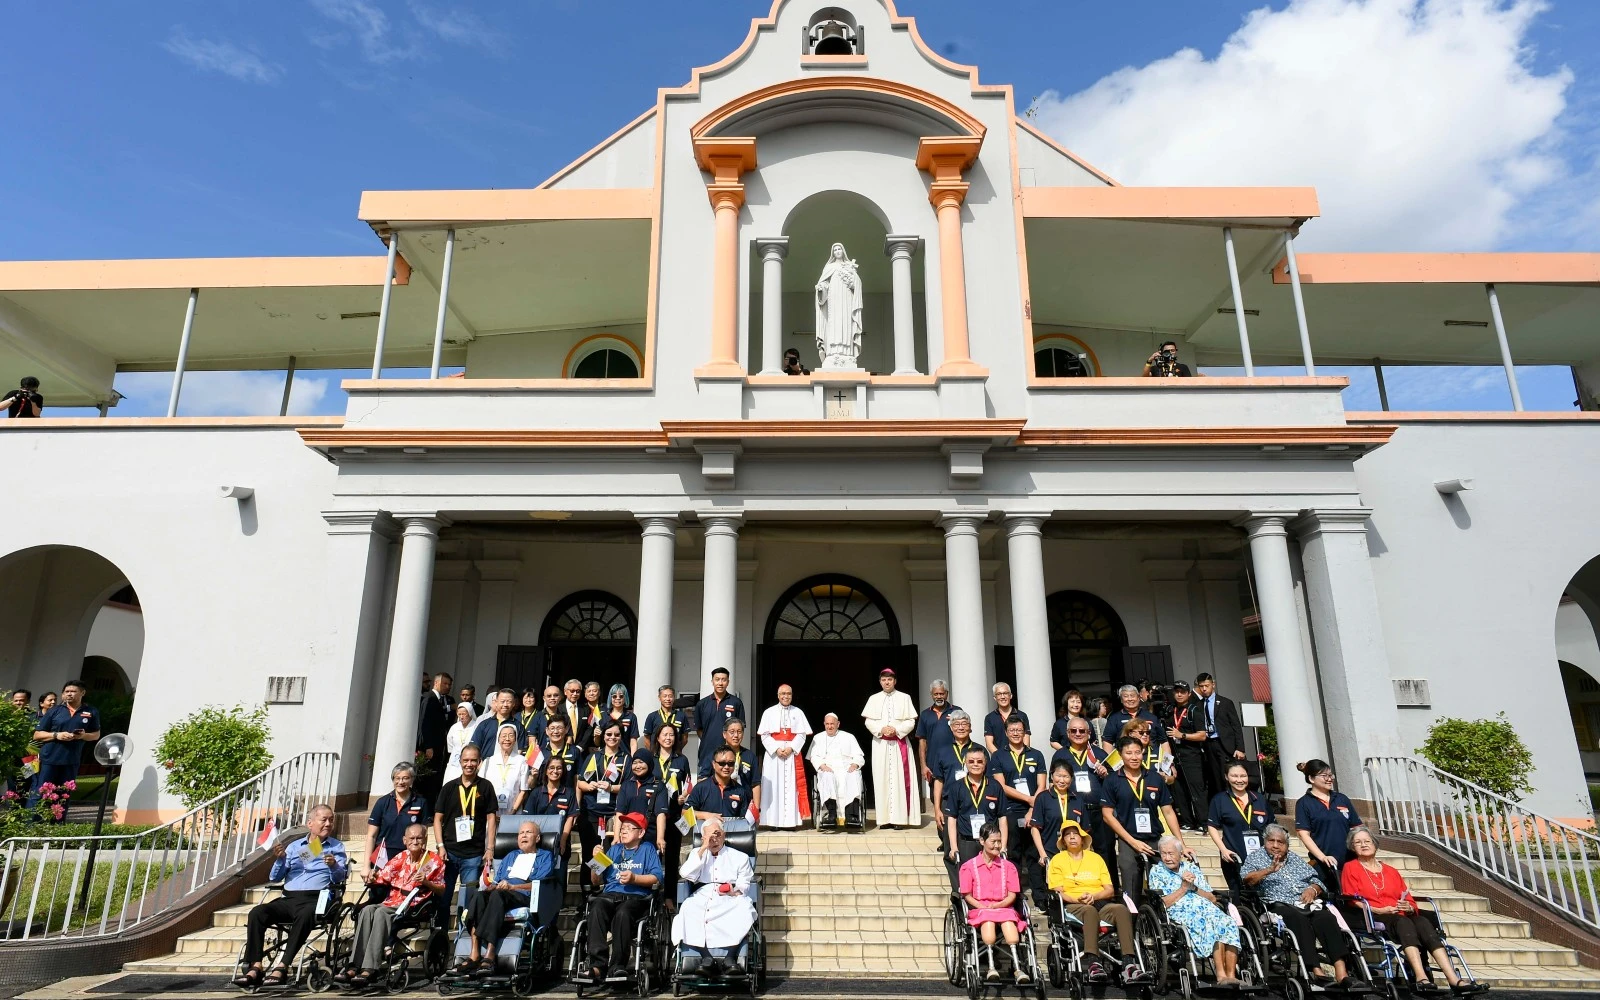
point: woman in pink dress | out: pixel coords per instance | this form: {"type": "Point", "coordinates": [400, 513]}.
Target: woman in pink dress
{"type": "Point", "coordinates": [990, 885]}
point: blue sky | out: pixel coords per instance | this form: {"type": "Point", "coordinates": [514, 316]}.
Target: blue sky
{"type": "Point", "coordinates": [229, 128]}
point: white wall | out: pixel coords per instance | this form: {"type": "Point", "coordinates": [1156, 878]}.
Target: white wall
{"type": "Point", "coordinates": [118, 634]}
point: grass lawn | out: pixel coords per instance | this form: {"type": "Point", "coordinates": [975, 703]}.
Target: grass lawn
{"type": "Point", "coordinates": [62, 882]}
{"type": "Point", "coordinates": [88, 789]}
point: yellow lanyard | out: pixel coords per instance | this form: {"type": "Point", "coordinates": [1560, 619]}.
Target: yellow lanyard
{"type": "Point", "coordinates": [661, 764]}
{"type": "Point", "coordinates": [1017, 760]}
{"type": "Point", "coordinates": [1066, 813]}
{"type": "Point", "coordinates": [960, 750]}
{"type": "Point", "coordinates": [1138, 791]}
{"type": "Point", "coordinates": [666, 719]}
{"type": "Point", "coordinates": [975, 795]}
{"type": "Point", "coordinates": [468, 802]}
{"type": "Point", "coordinates": [1079, 757]}
{"type": "Point", "coordinates": [1248, 811]}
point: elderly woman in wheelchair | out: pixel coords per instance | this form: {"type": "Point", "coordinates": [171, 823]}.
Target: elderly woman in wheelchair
{"type": "Point", "coordinates": [414, 880]}
{"type": "Point", "coordinates": [1083, 897]}
{"type": "Point", "coordinates": [990, 887]}
{"type": "Point", "coordinates": [1191, 904]}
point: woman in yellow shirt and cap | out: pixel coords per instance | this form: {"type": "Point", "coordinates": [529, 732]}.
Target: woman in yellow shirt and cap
{"type": "Point", "coordinates": [1083, 882]}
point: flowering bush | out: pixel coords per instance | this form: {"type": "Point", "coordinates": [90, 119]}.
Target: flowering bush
{"type": "Point", "coordinates": [18, 819]}
{"type": "Point", "coordinates": [16, 730]}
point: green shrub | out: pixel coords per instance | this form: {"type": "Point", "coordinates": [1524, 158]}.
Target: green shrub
{"type": "Point", "coordinates": [212, 750]}
{"type": "Point", "coordinates": [16, 729]}
{"type": "Point", "coordinates": [1486, 752]}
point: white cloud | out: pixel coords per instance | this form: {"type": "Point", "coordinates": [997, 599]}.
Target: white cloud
{"type": "Point", "coordinates": [1420, 122]}
{"type": "Point", "coordinates": [222, 57]}
{"type": "Point", "coordinates": [369, 26]}
{"type": "Point", "coordinates": [221, 394]}
{"type": "Point", "coordinates": [457, 26]}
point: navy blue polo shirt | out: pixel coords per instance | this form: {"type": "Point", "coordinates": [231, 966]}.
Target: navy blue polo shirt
{"type": "Point", "coordinates": [629, 723]}
{"type": "Point", "coordinates": [648, 798]}
{"type": "Point", "coordinates": [1047, 816]}
{"type": "Point", "coordinates": [746, 767]}
{"type": "Point", "coordinates": [541, 803]}
{"type": "Point", "coordinates": [948, 762]}
{"type": "Point", "coordinates": [710, 716]}
{"type": "Point", "coordinates": [676, 717]}
{"type": "Point", "coordinates": [1026, 767]}
{"type": "Point", "coordinates": [1232, 822]}
{"type": "Point", "coordinates": [1120, 718]}
{"type": "Point", "coordinates": [596, 768]}
{"type": "Point", "coordinates": [674, 774]}
{"type": "Point", "coordinates": [1123, 799]}
{"type": "Point", "coordinates": [1329, 824]}
{"type": "Point", "coordinates": [1092, 756]}
{"type": "Point", "coordinates": [62, 719]}
{"type": "Point", "coordinates": [710, 797]}
{"type": "Point", "coordinates": [962, 802]}
{"type": "Point", "coordinates": [392, 822]}
{"type": "Point", "coordinates": [995, 727]}
{"type": "Point", "coordinates": [934, 727]}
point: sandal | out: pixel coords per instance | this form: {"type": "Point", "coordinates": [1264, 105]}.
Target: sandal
{"type": "Point", "coordinates": [277, 977]}
{"type": "Point", "coordinates": [362, 979]}
{"type": "Point", "coordinates": [464, 967]}
{"type": "Point", "coordinates": [249, 979]}
{"type": "Point", "coordinates": [1425, 986]}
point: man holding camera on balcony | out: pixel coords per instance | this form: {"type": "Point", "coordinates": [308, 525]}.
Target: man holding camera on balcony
{"type": "Point", "coordinates": [1165, 364]}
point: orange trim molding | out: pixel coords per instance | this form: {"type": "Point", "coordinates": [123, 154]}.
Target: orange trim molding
{"type": "Point", "coordinates": [726, 160]}
{"type": "Point", "coordinates": [401, 208]}
{"type": "Point", "coordinates": [1443, 268]}
{"type": "Point", "coordinates": [792, 429]}
{"type": "Point", "coordinates": [1112, 437]}
{"type": "Point", "coordinates": [1156, 203]}
{"type": "Point", "coordinates": [820, 84]}
{"type": "Point", "coordinates": [832, 377]}
{"type": "Point", "coordinates": [195, 272]}
{"type": "Point", "coordinates": [946, 158]}
{"type": "Point", "coordinates": [359, 437]}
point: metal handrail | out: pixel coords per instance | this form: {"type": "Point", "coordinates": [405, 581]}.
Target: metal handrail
{"type": "Point", "coordinates": [1554, 863]}
{"type": "Point", "coordinates": [150, 873]}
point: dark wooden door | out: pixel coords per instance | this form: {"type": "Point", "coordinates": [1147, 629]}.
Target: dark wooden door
{"type": "Point", "coordinates": [519, 667]}
{"type": "Point", "coordinates": [1147, 663]}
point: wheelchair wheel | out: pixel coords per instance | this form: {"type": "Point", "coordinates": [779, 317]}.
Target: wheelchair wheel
{"type": "Point", "coordinates": [1052, 962]}
{"type": "Point", "coordinates": [1151, 946]}
{"type": "Point", "coordinates": [1294, 989]}
{"type": "Point", "coordinates": [643, 985]}
{"type": "Point", "coordinates": [1185, 984]}
{"type": "Point", "coordinates": [318, 979]}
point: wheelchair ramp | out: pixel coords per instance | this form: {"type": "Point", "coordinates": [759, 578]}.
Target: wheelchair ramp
{"type": "Point", "coordinates": [853, 905]}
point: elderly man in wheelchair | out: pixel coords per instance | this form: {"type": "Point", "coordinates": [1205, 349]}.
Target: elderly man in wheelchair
{"type": "Point", "coordinates": [718, 906]}
{"type": "Point", "coordinates": [313, 870]}
{"type": "Point", "coordinates": [621, 915]}
{"type": "Point", "coordinates": [403, 895]}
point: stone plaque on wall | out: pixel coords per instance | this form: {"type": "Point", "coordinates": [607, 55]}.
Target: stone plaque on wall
{"type": "Point", "coordinates": [1412, 692]}
{"type": "Point", "coordinates": [286, 690]}
{"type": "Point", "coordinates": [839, 404]}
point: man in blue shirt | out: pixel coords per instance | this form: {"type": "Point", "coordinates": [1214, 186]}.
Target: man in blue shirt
{"type": "Point", "coordinates": [666, 714]}
{"type": "Point", "coordinates": [625, 887]}
{"type": "Point", "coordinates": [1132, 709]}
{"type": "Point", "coordinates": [61, 734]}
{"type": "Point", "coordinates": [723, 795]}
{"type": "Point", "coordinates": [933, 727]}
{"type": "Point", "coordinates": [713, 712]}
{"type": "Point", "coordinates": [313, 869]}
{"type": "Point", "coordinates": [505, 710]}
{"type": "Point", "coordinates": [512, 888]}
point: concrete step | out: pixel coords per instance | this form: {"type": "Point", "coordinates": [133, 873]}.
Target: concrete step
{"type": "Point", "coordinates": [1522, 954]}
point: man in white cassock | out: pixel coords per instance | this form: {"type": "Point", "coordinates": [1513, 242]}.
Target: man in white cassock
{"type": "Point", "coordinates": [891, 716]}
{"type": "Point", "coordinates": [785, 800]}
{"type": "Point", "coordinates": [721, 912]}
{"type": "Point", "coordinates": [838, 759]}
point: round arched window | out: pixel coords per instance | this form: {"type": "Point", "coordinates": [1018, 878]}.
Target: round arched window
{"type": "Point", "coordinates": [832, 609]}
{"type": "Point", "coordinates": [606, 363]}
{"type": "Point", "coordinates": [589, 616]}
{"type": "Point", "coordinates": [1058, 362]}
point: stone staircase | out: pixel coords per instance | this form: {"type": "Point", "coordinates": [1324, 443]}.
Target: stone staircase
{"type": "Point", "coordinates": [872, 905]}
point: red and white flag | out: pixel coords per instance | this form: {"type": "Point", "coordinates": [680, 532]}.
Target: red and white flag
{"type": "Point", "coordinates": [535, 756]}
{"type": "Point", "coordinates": [268, 835]}
{"type": "Point", "coordinates": [380, 860]}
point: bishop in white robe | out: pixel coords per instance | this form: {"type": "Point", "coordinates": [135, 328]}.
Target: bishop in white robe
{"type": "Point", "coordinates": [721, 911]}
{"type": "Point", "coordinates": [785, 800]}
{"type": "Point", "coordinates": [890, 716]}
{"type": "Point", "coordinates": [838, 759]}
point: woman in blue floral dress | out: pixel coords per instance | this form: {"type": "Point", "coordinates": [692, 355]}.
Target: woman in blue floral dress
{"type": "Point", "coordinates": [1188, 899]}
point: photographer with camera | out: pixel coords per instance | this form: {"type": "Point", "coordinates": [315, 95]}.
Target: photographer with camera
{"type": "Point", "coordinates": [1165, 364]}
{"type": "Point", "coordinates": [792, 365]}
{"type": "Point", "coordinates": [24, 401]}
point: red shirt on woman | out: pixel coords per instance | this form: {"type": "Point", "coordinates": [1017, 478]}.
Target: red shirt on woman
{"type": "Point", "coordinates": [1382, 889]}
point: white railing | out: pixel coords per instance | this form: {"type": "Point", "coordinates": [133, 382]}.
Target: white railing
{"type": "Point", "coordinates": [137, 877]}
{"type": "Point", "coordinates": [1553, 862]}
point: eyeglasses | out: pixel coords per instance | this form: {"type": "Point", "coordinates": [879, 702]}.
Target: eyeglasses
{"type": "Point", "coordinates": [723, 763]}
{"type": "Point", "coordinates": [1077, 732]}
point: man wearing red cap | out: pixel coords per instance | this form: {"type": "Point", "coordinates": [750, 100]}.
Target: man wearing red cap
{"type": "Point", "coordinates": [625, 887]}
{"type": "Point", "coordinates": [891, 716]}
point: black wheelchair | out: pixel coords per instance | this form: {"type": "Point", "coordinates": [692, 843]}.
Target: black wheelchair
{"type": "Point", "coordinates": [1283, 958]}
{"type": "Point", "coordinates": [962, 947]}
{"type": "Point", "coordinates": [743, 965]}
{"type": "Point", "coordinates": [1384, 958]}
{"type": "Point", "coordinates": [416, 949]}
{"type": "Point", "coordinates": [852, 818]}
{"type": "Point", "coordinates": [528, 953]}
{"type": "Point", "coordinates": [1165, 942]}
{"type": "Point", "coordinates": [325, 951]}
{"type": "Point", "coordinates": [1065, 959]}
{"type": "Point", "coordinates": [647, 954]}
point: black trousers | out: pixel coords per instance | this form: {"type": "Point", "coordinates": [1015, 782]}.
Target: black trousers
{"type": "Point", "coordinates": [589, 838]}
{"type": "Point", "coordinates": [1019, 848]}
{"type": "Point", "coordinates": [1318, 933]}
{"type": "Point", "coordinates": [1189, 792]}
{"type": "Point", "coordinates": [616, 913]}
{"type": "Point", "coordinates": [669, 861]}
{"type": "Point", "coordinates": [1216, 769]}
{"type": "Point", "coordinates": [488, 912]}
{"type": "Point", "coordinates": [967, 848]}
{"type": "Point", "coordinates": [1104, 843]}
{"type": "Point", "coordinates": [297, 909]}
{"type": "Point", "coordinates": [1128, 866]}
{"type": "Point", "coordinates": [1412, 931]}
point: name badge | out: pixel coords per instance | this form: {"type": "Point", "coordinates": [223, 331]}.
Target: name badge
{"type": "Point", "coordinates": [322, 902]}
{"type": "Point", "coordinates": [1080, 782]}
{"type": "Point", "coordinates": [602, 797]}
{"type": "Point", "coordinates": [1252, 843]}
{"type": "Point", "coordinates": [463, 828]}
{"type": "Point", "coordinates": [975, 822]}
{"type": "Point", "coordinates": [1141, 821]}
{"type": "Point", "coordinates": [1020, 783]}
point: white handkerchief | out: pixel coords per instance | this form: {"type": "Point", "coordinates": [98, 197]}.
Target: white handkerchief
{"type": "Point", "coordinates": [521, 868]}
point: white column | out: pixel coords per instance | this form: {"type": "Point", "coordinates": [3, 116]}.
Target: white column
{"type": "Point", "coordinates": [1030, 627]}
{"type": "Point", "coordinates": [383, 306]}
{"type": "Point", "coordinates": [1299, 305]}
{"type": "Point", "coordinates": [773, 250]}
{"type": "Point", "coordinates": [653, 656]}
{"type": "Point", "coordinates": [964, 602]}
{"type": "Point", "coordinates": [720, 594]}
{"type": "Point", "coordinates": [1238, 301]}
{"type": "Point", "coordinates": [1342, 604]}
{"type": "Point", "coordinates": [900, 250]}
{"type": "Point", "coordinates": [358, 567]}
{"type": "Point", "coordinates": [183, 352]}
{"type": "Point", "coordinates": [1505, 348]}
{"type": "Point", "coordinates": [444, 300]}
{"type": "Point", "coordinates": [402, 684]}
{"type": "Point", "coordinates": [1294, 704]}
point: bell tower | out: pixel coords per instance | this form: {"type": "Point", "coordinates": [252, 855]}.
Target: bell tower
{"type": "Point", "coordinates": [832, 31]}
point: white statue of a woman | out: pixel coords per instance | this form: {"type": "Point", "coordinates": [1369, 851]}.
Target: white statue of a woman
{"type": "Point", "coordinates": [839, 312]}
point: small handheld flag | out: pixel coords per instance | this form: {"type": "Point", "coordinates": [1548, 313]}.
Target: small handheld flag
{"type": "Point", "coordinates": [268, 835]}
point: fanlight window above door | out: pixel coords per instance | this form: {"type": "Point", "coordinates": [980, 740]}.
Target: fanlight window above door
{"type": "Point", "coordinates": [591, 617]}
{"type": "Point", "coordinates": [1080, 619]}
{"type": "Point", "coordinates": [832, 609]}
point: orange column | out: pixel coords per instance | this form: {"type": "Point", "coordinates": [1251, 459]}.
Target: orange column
{"type": "Point", "coordinates": [725, 160]}
{"type": "Point", "coordinates": [946, 158]}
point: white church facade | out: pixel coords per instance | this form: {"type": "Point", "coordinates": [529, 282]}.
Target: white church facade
{"type": "Point", "coordinates": [974, 483]}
